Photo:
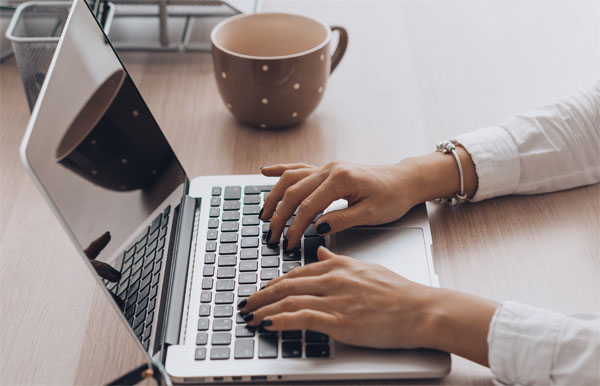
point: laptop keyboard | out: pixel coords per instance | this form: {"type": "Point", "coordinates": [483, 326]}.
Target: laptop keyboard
{"type": "Point", "coordinates": [140, 274]}
{"type": "Point", "coordinates": [237, 262]}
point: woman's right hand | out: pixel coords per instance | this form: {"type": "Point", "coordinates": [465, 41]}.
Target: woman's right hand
{"type": "Point", "coordinates": [375, 195]}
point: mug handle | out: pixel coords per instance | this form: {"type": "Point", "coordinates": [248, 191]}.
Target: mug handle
{"type": "Point", "coordinates": [340, 50]}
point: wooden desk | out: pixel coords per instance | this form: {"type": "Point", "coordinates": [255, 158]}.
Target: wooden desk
{"type": "Point", "coordinates": [414, 73]}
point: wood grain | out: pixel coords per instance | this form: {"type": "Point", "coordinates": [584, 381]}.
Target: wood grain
{"type": "Point", "coordinates": [414, 73]}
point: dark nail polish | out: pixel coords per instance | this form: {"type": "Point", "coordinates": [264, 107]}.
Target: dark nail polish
{"type": "Point", "coordinates": [285, 244]}
{"type": "Point", "coordinates": [242, 304]}
{"type": "Point", "coordinates": [260, 213]}
{"type": "Point", "coordinates": [269, 235]}
{"type": "Point", "coordinates": [266, 323]}
{"type": "Point", "coordinates": [249, 317]}
{"type": "Point", "coordinates": [323, 228]}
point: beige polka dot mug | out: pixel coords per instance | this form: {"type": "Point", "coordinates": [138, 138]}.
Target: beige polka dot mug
{"type": "Point", "coordinates": [272, 68]}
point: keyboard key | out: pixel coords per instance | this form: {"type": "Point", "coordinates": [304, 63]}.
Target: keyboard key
{"type": "Point", "coordinates": [226, 273]}
{"type": "Point", "coordinates": [207, 283]}
{"type": "Point", "coordinates": [291, 335]}
{"type": "Point", "coordinates": [243, 349]}
{"type": "Point", "coordinates": [247, 278]}
{"type": "Point", "coordinates": [212, 234]}
{"type": "Point", "coordinates": [265, 188]}
{"type": "Point", "coordinates": [311, 244]}
{"type": "Point", "coordinates": [214, 212]}
{"type": "Point", "coordinates": [229, 237]}
{"type": "Point", "coordinates": [311, 231]}
{"type": "Point", "coordinates": [249, 242]}
{"type": "Point", "coordinates": [213, 223]}
{"type": "Point", "coordinates": [209, 270]}
{"type": "Point", "coordinates": [269, 274]}
{"type": "Point", "coordinates": [222, 325]}
{"type": "Point", "coordinates": [215, 201]}
{"type": "Point", "coordinates": [231, 215]}
{"type": "Point", "coordinates": [249, 254]}
{"type": "Point", "coordinates": [250, 220]}
{"type": "Point", "coordinates": [250, 200]}
{"type": "Point", "coordinates": [291, 349]}
{"type": "Point", "coordinates": [200, 354]}
{"type": "Point", "coordinates": [317, 350]}
{"type": "Point", "coordinates": [201, 338]}
{"type": "Point", "coordinates": [225, 285]}
{"type": "Point", "coordinates": [244, 331]}
{"type": "Point", "coordinates": [292, 255]}
{"type": "Point", "coordinates": [316, 337]}
{"type": "Point", "coordinates": [251, 209]}
{"type": "Point", "coordinates": [249, 231]}
{"type": "Point", "coordinates": [269, 262]}
{"type": "Point", "coordinates": [287, 267]}
{"type": "Point", "coordinates": [263, 284]}
{"type": "Point", "coordinates": [270, 250]}
{"type": "Point", "coordinates": [153, 292]}
{"type": "Point", "coordinates": [221, 338]}
{"type": "Point", "coordinates": [148, 323]}
{"type": "Point", "coordinates": [216, 191]}
{"type": "Point", "coordinates": [145, 292]}
{"type": "Point", "coordinates": [233, 192]}
{"type": "Point", "coordinates": [228, 249]}
{"type": "Point", "coordinates": [203, 324]}
{"type": "Point", "coordinates": [211, 246]}
{"type": "Point", "coordinates": [252, 190]}
{"type": "Point", "coordinates": [227, 261]}
{"type": "Point", "coordinates": [223, 311]}
{"type": "Point", "coordinates": [204, 310]}
{"type": "Point", "coordinates": [248, 266]}
{"type": "Point", "coordinates": [231, 205]}
{"type": "Point", "coordinates": [210, 258]}
{"type": "Point", "coordinates": [267, 346]}
{"type": "Point", "coordinates": [230, 226]}
{"type": "Point", "coordinates": [265, 227]}
{"type": "Point", "coordinates": [246, 290]}
{"type": "Point", "coordinates": [205, 296]}
{"type": "Point", "coordinates": [239, 318]}
{"type": "Point", "coordinates": [224, 298]}
{"type": "Point", "coordinates": [219, 353]}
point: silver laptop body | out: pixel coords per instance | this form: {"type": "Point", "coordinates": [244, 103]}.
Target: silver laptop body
{"type": "Point", "coordinates": [180, 246]}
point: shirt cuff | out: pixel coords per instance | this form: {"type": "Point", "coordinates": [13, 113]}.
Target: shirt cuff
{"type": "Point", "coordinates": [496, 160]}
{"type": "Point", "coordinates": [521, 343]}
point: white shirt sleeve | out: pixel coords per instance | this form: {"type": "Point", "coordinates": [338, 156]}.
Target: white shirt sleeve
{"type": "Point", "coordinates": [531, 346]}
{"type": "Point", "coordinates": [550, 148]}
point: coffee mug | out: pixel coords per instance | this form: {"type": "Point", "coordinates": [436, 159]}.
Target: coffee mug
{"type": "Point", "coordinates": [272, 68]}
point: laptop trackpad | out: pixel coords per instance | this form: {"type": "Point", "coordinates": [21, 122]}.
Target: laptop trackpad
{"type": "Point", "coordinates": [401, 250]}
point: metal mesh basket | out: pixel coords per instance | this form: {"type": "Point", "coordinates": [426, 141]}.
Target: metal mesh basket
{"type": "Point", "coordinates": [34, 33]}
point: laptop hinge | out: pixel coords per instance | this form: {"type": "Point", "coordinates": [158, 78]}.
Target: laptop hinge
{"type": "Point", "coordinates": [176, 297]}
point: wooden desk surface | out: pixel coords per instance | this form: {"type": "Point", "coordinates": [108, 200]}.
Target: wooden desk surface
{"type": "Point", "coordinates": [414, 73]}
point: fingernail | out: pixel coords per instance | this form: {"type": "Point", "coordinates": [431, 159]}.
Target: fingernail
{"type": "Point", "coordinates": [260, 213]}
{"type": "Point", "coordinates": [261, 168]}
{"type": "Point", "coordinates": [249, 317]}
{"type": "Point", "coordinates": [114, 275]}
{"type": "Point", "coordinates": [323, 228]}
{"type": "Point", "coordinates": [242, 304]}
{"type": "Point", "coordinates": [266, 323]}
{"type": "Point", "coordinates": [268, 235]}
{"type": "Point", "coordinates": [285, 244]}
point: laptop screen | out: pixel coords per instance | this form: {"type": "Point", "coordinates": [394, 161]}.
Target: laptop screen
{"type": "Point", "coordinates": [94, 145]}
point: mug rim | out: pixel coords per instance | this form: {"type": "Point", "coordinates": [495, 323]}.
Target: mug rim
{"type": "Point", "coordinates": [295, 55]}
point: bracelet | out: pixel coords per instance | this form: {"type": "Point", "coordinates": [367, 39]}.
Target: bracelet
{"type": "Point", "coordinates": [447, 147]}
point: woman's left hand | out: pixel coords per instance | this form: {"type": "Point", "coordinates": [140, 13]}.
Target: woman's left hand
{"type": "Point", "coordinates": [354, 302]}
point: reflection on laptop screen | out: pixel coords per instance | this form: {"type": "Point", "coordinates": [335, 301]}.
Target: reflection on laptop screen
{"type": "Point", "coordinates": [94, 146]}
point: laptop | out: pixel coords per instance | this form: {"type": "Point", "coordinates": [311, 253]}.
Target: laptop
{"type": "Point", "coordinates": [175, 255]}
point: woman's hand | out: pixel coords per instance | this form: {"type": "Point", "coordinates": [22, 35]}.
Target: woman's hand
{"type": "Point", "coordinates": [354, 302]}
{"type": "Point", "coordinates": [375, 195]}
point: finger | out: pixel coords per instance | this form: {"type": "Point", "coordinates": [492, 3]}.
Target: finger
{"type": "Point", "coordinates": [284, 288]}
{"type": "Point", "coordinates": [277, 170]}
{"type": "Point", "coordinates": [289, 304]}
{"type": "Point", "coordinates": [315, 203]}
{"type": "Point", "coordinates": [319, 321]}
{"type": "Point", "coordinates": [292, 198]}
{"type": "Point", "coordinates": [287, 179]}
{"type": "Point", "coordinates": [315, 269]}
{"type": "Point", "coordinates": [96, 246]}
{"type": "Point", "coordinates": [106, 271]}
{"type": "Point", "coordinates": [338, 220]}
